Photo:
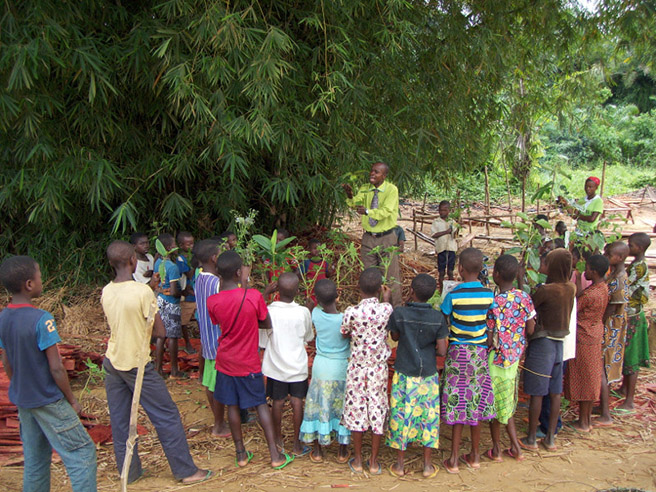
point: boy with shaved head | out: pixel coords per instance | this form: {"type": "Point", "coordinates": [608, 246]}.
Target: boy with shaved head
{"type": "Point", "coordinates": [131, 311]}
{"type": "Point", "coordinates": [285, 362]}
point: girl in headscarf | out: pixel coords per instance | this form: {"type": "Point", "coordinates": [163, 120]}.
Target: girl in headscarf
{"type": "Point", "coordinates": [543, 367]}
{"type": "Point", "coordinates": [587, 211]}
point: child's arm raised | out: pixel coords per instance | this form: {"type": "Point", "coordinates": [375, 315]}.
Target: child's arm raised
{"type": "Point", "coordinates": [61, 377]}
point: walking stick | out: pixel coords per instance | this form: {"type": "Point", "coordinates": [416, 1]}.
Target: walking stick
{"type": "Point", "coordinates": [134, 411]}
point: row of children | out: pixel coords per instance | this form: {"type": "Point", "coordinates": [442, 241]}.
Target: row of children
{"type": "Point", "coordinates": [348, 393]}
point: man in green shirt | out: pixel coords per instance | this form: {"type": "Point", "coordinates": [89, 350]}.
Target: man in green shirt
{"type": "Point", "coordinates": [378, 205]}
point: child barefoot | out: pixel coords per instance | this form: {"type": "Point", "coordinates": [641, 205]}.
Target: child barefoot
{"type": "Point", "coordinates": [207, 284]}
{"type": "Point", "coordinates": [325, 398]}
{"type": "Point", "coordinates": [445, 243]}
{"type": "Point", "coordinates": [239, 382]}
{"type": "Point", "coordinates": [614, 326]}
{"type": "Point", "coordinates": [415, 400]}
{"type": "Point", "coordinates": [365, 402]}
{"type": "Point", "coordinates": [168, 302]}
{"type": "Point", "coordinates": [285, 362]}
{"type": "Point", "coordinates": [467, 397]}
{"type": "Point", "coordinates": [636, 353]}
{"type": "Point", "coordinates": [583, 378]}
{"type": "Point", "coordinates": [510, 320]}
{"type": "Point", "coordinates": [543, 374]}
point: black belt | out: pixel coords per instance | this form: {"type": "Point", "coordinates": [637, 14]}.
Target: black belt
{"type": "Point", "coordinates": [379, 234]}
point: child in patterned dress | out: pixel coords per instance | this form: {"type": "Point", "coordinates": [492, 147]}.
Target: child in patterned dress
{"type": "Point", "coordinates": [636, 352]}
{"type": "Point", "coordinates": [509, 321]}
{"type": "Point", "coordinates": [415, 400]}
{"type": "Point", "coordinates": [614, 326]}
{"type": "Point", "coordinates": [467, 397]}
{"type": "Point", "coordinates": [365, 400]}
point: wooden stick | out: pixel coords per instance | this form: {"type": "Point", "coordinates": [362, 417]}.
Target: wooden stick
{"type": "Point", "coordinates": [134, 411]}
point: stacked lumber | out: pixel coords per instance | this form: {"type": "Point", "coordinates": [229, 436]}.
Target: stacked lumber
{"type": "Point", "coordinates": [74, 359]}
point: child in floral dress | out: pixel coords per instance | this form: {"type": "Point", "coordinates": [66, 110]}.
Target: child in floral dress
{"type": "Point", "coordinates": [415, 400]}
{"type": "Point", "coordinates": [365, 401]}
{"type": "Point", "coordinates": [636, 353]}
{"type": "Point", "coordinates": [510, 321]}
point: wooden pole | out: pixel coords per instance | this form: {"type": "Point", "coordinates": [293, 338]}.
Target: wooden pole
{"type": "Point", "coordinates": [134, 411]}
{"type": "Point", "coordinates": [603, 178]}
{"type": "Point", "coordinates": [414, 226]}
{"type": "Point", "coordinates": [487, 199]}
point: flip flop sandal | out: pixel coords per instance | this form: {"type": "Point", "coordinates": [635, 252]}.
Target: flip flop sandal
{"type": "Point", "coordinates": [378, 471]}
{"type": "Point", "coordinates": [316, 459]}
{"type": "Point", "coordinates": [432, 475]}
{"type": "Point", "coordinates": [288, 459]}
{"type": "Point", "coordinates": [509, 452]}
{"type": "Point", "coordinates": [306, 450]}
{"type": "Point", "coordinates": [345, 458]}
{"type": "Point", "coordinates": [622, 411]}
{"type": "Point", "coordinates": [528, 447]}
{"type": "Point", "coordinates": [350, 464]}
{"type": "Point", "coordinates": [597, 423]}
{"type": "Point", "coordinates": [551, 449]}
{"type": "Point", "coordinates": [463, 459]}
{"type": "Point", "coordinates": [395, 474]}
{"type": "Point", "coordinates": [448, 469]}
{"type": "Point", "coordinates": [249, 457]}
{"type": "Point", "coordinates": [580, 431]}
{"type": "Point", "coordinates": [204, 479]}
{"type": "Point", "coordinates": [497, 459]}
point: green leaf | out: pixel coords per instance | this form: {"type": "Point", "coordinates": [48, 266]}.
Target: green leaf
{"type": "Point", "coordinates": [281, 245]}
{"type": "Point", "coordinates": [514, 250]}
{"type": "Point", "coordinates": [161, 250]}
{"type": "Point", "coordinates": [533, 276]}
{"type": "Point", "coordinates": [544, 224]}
{"type": "Point", "coordinates": [523, 216]}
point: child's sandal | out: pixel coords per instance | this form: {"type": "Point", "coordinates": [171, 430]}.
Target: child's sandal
{"type": "Point", "coordinates": [249, 457]}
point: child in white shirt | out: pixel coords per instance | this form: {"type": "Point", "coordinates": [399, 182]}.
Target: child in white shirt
{"type": "Point", "coordinates": [285, 362]}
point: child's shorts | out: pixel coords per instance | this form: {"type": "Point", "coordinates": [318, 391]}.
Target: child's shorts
{"type": "Point", "coordinates": [244, 391]}
{"type": "Point", "coordinates": [543, 367]}
{"type": "Point", "coordinates": [278, 390]}
{"type": "Point", "coordinates": [446, 260]}
{"type": "Point", "coordinates": [170, 314]}
{"type": "Point", "coordinates": [187, 308]}
{"type": "Point", "coordinates": [209, 374]}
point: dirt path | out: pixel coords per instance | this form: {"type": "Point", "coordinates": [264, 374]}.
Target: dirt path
{"type": "Point", "coordinates": [621, 456]}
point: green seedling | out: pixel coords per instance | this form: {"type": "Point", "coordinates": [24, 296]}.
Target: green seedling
{"type": "Point", "coordinates": [164, 254]}
{"type": "Point", "coordinates": [95, 375]}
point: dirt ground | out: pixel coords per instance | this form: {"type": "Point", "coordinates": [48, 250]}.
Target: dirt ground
{"type": "Point", "coordinates": [622, 456]}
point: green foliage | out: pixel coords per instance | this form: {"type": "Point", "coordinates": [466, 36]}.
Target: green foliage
{"type": "Point", "coordinates": [116, 116]}
{"type": "Point", "coordinates": [161, 249]}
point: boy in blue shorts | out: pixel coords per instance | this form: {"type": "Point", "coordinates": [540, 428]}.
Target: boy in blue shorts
{"type": "Point", "coordinates": [39, 386]}
{"type": "Point", "coordinates": [168, 302]}
{"type": "Point", "coordinates": [239, 383]}
{"type": "Point", "coordinates": [131, 311]}
{"type": "Point", "coordinates": [207, 284]}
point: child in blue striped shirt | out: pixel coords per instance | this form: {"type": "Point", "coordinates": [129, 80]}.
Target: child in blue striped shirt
{"type": "Point", "coordinates": [467, 397]}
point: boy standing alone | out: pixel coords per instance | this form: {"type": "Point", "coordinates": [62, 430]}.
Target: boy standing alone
{"type": "Point", "coordinates": [445, 243]}
{"type": "Point", "coordinates": [131, 308]}
{"type": "Point", "coordinates": [39, 384]}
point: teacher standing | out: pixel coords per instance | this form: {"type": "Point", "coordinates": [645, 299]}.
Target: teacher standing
{"type": "Point", "coordinates": [378, 205]}
{"type": "Point", "coordinates": [589, 210]}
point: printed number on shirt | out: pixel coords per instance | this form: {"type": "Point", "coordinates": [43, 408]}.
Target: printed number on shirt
{"type": "Point", "coordinates": [50, 325]}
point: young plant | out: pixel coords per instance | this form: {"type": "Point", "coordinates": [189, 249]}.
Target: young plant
{"type": "Point", "coordinates": [245, 246]}
{"type": "Point", "coordinates": [94, 375]}
{"type": "Point", "coordinates": [272, 250]}
{"type": "Point", "coordinates": [165, 255]}
{"type": "Point", "coordinates": [526, 233]}
{"type": "Point", "coordinates": [385, 255]}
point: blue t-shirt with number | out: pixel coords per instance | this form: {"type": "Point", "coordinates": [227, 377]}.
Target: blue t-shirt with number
{"type": "Point", "coordinates": [25, 334]}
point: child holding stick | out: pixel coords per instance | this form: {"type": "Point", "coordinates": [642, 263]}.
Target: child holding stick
{"type": "Point", "coordinates": [583, 378]}
{"type": "Point", "coordinates": [38, 384]}
{"type": "Point", "coordinates": [614, 326]}
{"type": "Point", "coordinates": [636, 353]}
{"type": "Point", "coordinates": [467, 397]}
{"type": "Point", "coordinates": [365, 402]}
{"type": "Point", "coordinates": [128, 305]}
{"type": "Point", "coordinates": [240, 312]}
{"type": "Point", "coordinates": [325, 398]}
{"type": "Point", "coordinates": [510, 321]}
{"type": "Point", "coordinates": [415, 400]}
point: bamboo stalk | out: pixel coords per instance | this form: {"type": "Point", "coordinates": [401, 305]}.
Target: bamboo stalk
{"type": "Point", "coordinates": [134, 411]}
